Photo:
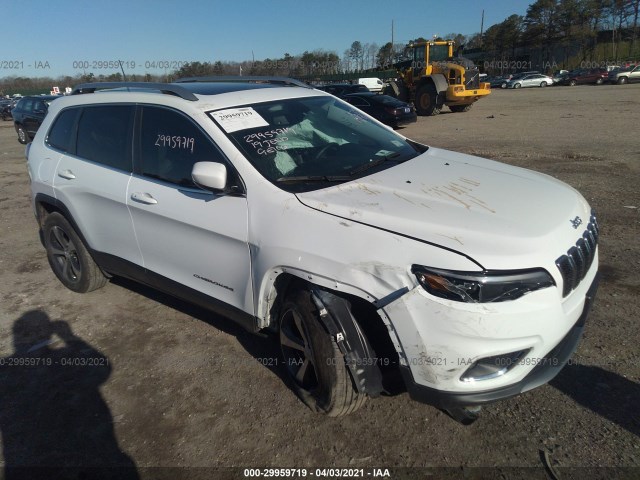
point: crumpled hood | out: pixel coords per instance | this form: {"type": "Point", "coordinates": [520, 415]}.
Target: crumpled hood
{"type": "Point", "coordinates": [486, 210]}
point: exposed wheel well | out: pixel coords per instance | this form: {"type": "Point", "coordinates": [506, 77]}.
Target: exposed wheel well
{"type": "Point", "coordinates": [365, 313]}
{"type": "Point", "coordinates": [43, 209]}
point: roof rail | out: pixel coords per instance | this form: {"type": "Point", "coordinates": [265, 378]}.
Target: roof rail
{"type": "Point", "coordinates": [166, 88]}
{"type": "Point", "coordinates": [247, 79]}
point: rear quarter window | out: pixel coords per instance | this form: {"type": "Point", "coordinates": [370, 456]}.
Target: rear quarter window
{"type": "Point", "coordinates": [62, 133]}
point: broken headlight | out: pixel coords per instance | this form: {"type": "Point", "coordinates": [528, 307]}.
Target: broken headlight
{"type": "Point", "coordinates": [481, 287]}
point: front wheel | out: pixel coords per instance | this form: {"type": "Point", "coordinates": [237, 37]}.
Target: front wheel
{"type": "Point", "coordinates": [543, 84]}
{"type": "Point", "coordinates": [622, 80]}
{"type": "Point", "coordinates": [313, 360]}
{"type": "Point", "coordinates": [517, 85]}
{"type": "Point", "coordinates": [427, 101]}
{"type": "Point", "coordinates": [68, 257]}
{"type": "Point", "coordinates": [573, 83]}
{"type": "Point", "coordinates": [460, 108]}
{"type": "Point", "coordinates": [599, 81]}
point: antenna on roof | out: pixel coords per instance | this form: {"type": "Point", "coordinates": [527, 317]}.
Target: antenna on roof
{"type": "Point", "coordinates": [124, 75]}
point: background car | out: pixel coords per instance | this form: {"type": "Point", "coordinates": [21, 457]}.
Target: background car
{"type": "Point", "coordinates": [577, 77]}
{"type": "Point", "coordinates": [531, 80]}
{"type": "Point", "coordinates": [388, 110]}
{"type": "Point", "coordinates": [559, 75]}
{"type": "Point", "coordinates": [28, 115]}
{"type": "Point", "coordinates": [5, 109]}
{"type": "Point", "coordinates": [497, 82]}
{"type": "Point", "coordinates": [624, 75]}
{"type": "Point", "coordinates": [341, 89]}
{"type": "Point", "coordinates": [514, 76]}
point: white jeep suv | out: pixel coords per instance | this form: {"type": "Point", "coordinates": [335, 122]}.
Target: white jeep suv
{"type": "Point", "coordinates": [371, 257]}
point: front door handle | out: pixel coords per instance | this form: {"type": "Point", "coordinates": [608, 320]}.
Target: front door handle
{"type": "Point", "coordinates": [68, 174]}
{"type": "Point", "coordinates": [144, 198]}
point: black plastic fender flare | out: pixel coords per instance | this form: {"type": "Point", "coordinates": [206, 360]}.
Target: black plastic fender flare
{"type": "Point", "coordinates": [335, 314]}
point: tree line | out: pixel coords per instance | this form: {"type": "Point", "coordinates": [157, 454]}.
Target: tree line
{"type": "Point", "coordinates": [582, 26]}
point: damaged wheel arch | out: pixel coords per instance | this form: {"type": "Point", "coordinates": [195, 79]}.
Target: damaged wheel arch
{"type": "Point", "coordinates": [366, 352]}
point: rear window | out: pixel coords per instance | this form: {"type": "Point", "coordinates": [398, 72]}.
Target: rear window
{"type": "Point", "coordinates": [387, 100]}
{"type": "Point", "coordinates": [104, 135]}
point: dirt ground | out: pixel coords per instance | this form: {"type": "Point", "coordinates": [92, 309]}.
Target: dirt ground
{"type": "Point", "coordinates": [172, 386]}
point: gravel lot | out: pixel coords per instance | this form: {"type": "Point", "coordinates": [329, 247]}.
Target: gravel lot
{"type": "Point", "coordinates": [173, 386]}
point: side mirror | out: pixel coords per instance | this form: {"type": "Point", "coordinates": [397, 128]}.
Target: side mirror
{"type": "Point", "coordinates": [210, 175]}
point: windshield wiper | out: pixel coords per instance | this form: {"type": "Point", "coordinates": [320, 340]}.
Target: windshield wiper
{"type": "Point", "coordinates": [314, 178]}
{"type": "Point", "coordinates": [373, 163]}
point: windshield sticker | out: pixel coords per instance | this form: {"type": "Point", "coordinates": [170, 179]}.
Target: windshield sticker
{"type": "Point", "coordinates": [384, 153]}
{"type": "Point", "coordinates": [234, 119]}
{"type": "Point", "coordinates": [175, 142]}
{"type": "Point", "coordinates": [397, 143]}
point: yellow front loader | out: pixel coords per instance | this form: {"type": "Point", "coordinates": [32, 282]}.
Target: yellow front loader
{"type": "Point", "coordinates": [431, 77]}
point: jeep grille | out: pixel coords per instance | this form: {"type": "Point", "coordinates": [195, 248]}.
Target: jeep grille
{"type": "Point", "coordinates": [576, 263]}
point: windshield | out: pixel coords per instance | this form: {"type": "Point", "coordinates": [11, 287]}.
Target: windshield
{"type": "Point", "coordinates": [303, 144]}
{"type": "Point", "coordinates": [439, 53]}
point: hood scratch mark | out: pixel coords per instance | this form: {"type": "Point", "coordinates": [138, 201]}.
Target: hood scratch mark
{"type": "Point", "coordinates": [403, 198]}
{"type": "Point", "coordinates": [367, 190]}
{"type": "Point", "coordinates": [470, 182]}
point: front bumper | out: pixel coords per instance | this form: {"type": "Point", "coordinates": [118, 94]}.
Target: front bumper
{"type": "Point", "coordinates": [439, 341]}
{"type": "Point", "coordinates": [547, 368]}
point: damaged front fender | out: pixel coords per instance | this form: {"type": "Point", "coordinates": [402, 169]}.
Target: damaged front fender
{"type": "Point", "coordinates": [335, 314]}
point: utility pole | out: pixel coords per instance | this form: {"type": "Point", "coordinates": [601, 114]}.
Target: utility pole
{"type": "Point", "coordinates": [392, 54]}
{"type": "Point", "coordinates": [481, 27]}
{"type": "Point", "coordinates": [391, 33]}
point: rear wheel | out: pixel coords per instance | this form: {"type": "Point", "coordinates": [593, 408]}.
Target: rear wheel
{"type": "Point", "coordinates": [622, 80]}
{"type": "Point", "coordinates": [313, 360]}
{"type": "Point", "coordinates": [460, 108]}
{"type": "Point", "coordinates": [572, 83]}
{"type": "Point", "coordinates": [543, 84]}
{"type": "Point", "coordinates": [599, 81]}
{"type": "Point", "coordinates": [517, 85]}
{"type": "Point", "coordinates": [426, 101]}
{"type": "Point", "coordinates": [68, 257]}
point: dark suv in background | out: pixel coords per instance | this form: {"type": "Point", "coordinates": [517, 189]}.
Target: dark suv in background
{"type": "Point", "coordinates": [341, 89]}
{"type": "Point", "coordinates": [28, 115]}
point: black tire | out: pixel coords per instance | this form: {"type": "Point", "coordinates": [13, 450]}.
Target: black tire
{"type": "Point", "coordinates": [68, 256]}
{"type": "Point", "coordinates": [622, 80]}
{"type": "Point", "coordinates": [572, 83]}
{"type": "Point", "coordinates": [543, 84]}
{"type": "Point", "coordinates": [460, 108]}
{"type": "Point", "coordinates": [517, 85]}
{"type": "Point", "coordinates": [503, 85]}
{"type": "Point", "coordinates": [313, 360]}
{"type": "Point", "coordinates": [426, 101]}
{"type": "Point", "coordinates": [23, 136]}
{"type": "Point", "coordinates": [599, 81]}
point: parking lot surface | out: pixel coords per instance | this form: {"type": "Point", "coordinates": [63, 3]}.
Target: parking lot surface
{"type": "Point", "coordinates": [173, 386]}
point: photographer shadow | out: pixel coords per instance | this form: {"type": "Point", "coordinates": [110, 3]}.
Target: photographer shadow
{"type": "Point", "coordinates": [53, 419]}
{"type": "Point", "coordinates": [603, 392]}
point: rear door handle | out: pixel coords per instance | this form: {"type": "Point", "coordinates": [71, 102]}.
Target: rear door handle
{"type": "Point", "coordinates": [144, 198]}
{"type": "Point", "coordinates": [68, 174]}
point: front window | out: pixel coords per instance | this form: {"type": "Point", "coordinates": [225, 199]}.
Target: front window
{"type": "Point", "coordinates": [307, 143]}
{"type": "Point", "coordinates": [439, 53]}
